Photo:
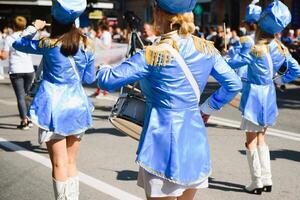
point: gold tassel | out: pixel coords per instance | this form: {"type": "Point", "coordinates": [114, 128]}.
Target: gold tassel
{"type": "Point", "coordinates": [245, 39]}
{"type": "Point", "coordinates": [281, 48]}
{"type": "Point", "coordinates": [259, 50]}
{"type": "Point", "coordinates": [157, 56]}
{"type": "Point", "coordinates": [204, 46]}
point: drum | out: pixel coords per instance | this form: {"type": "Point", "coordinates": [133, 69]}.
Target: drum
{"type": "Point", "coordinates": [128, 114]}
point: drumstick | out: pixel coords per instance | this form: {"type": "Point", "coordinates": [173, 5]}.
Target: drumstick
{"type": "Point", "coordinates": [224, 26]}
{"type": "Point", "coordinates": [131, 87]}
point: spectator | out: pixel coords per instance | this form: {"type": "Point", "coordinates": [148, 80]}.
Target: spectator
{"type": "Point", "coordinates": [212, 34]}
{"type": "Point", "coordinates": [234, 40]}
{"type": "Point", "coordinates": [219, 39]}
{"type": "Point", "coordinates": [148, 34]}
{"type": "Point", "coordinates": [105, 36]}
{"type": "Point", "coordinates": [285, 38]}
{"type": "Point", "coordinates": [21, 70]}
{"type": "Point", "coordinates": [1, 64]}
{"type": "Point", "coordinates": [118, 35]}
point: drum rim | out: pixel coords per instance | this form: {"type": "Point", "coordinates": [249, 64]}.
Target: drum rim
{"type": "Point", "coordinates": [111, 121]}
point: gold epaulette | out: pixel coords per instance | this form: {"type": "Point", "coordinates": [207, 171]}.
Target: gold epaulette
{"type": "Point", "coordinates": [260, 50]}
{"type": "Point", "coordinates": [281, 48]}
{"type": "Point", "coordinates": [245, 39]}
{"type": "Point", "coordinates": [157, 56]}
{"type": "Point", "coordinates": [205, 46]}
{"type": "Point", "coordinates": [47, 43]}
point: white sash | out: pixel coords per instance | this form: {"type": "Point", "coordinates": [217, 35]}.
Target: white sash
{"type": "Point", "coordinates": [184, 68]}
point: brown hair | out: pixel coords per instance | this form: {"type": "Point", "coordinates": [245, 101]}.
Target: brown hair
{"type": "Point", "coordinates": [68, 35]}
{"type": "Point", "coordinates": [19, 23]}
{"type": "Point", "coordinates": [260, 35]}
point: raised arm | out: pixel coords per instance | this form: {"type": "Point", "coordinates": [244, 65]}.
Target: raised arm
{"type": "Point", "coordinates": [26, 43]}
{"type": "Point", "coordinates": [130, 71]}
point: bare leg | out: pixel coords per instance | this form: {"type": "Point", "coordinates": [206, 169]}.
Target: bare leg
{"type": "Point", "coordinates": [261, 138]}
{"type": "Point", "coordinates": [59, 158]}
{"type": "Point", "coordinates": [251, 140]}
{"type": "Point", "coordinates": [73, 144]}
{"type": "Point", "coordinates": [188, 195]}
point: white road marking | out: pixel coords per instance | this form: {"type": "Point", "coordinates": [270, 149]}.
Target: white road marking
{"type": "Point", "coordinates": [270, 131]}
{"type": "Point", "coordinates": [84, 178]}
{"type": "Point", "coordinates": [213, 119]}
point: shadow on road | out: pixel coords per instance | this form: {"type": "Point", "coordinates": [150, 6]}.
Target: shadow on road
{"type": "Point", "coordinates": [111, 131]}
{"type": "Point", "coordinates": [8, 126]}
{"type": "Point", "coordinates": [8, 116]}
{"type": "Point", "coordinates": [127, 175]}
{"type": "Point", "coordinates": [224, 186]}
{"type": "Point", "coordinates": [101, 117]}
{"type": "Point", "coordinates": [26, 144]}
{"type": "Point", "coordinates": [290, 98]}
{"type": "Point", "coordinates": [281, 154]}
{"type": "Point", "coordinates": [103, 108]}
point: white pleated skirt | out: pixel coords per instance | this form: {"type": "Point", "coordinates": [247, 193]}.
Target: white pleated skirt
{"type": "Point", "coordinates": [249, 126]}
{"type": "Point", "coordinates": [155, 186]}
{"type": "Point", "coordinates": [46, 136]}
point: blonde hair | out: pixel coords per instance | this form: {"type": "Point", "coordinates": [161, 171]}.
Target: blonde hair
{"type": "Point", "coordinates": [183, 22]}
{"type": "Point", "coordinates": [19, 23]}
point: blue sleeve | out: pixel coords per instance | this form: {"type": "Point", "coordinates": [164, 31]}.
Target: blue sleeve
{"type": "Point", "coordinates": [130, 71]}
{"type": "Point", "coordinates": [27, 45]}
{"type": "Point", "coordinates": [293, 69]}
{"type": "Point", "coordinates": [239, 60]}
{"type": "Point", "coordinates": [230, 84]}
{"type": "Point", "coordinates": [89, 71]}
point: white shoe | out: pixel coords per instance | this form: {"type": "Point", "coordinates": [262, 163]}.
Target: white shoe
{"type": "Point", "coordinates": [2, 77]}
{"type": "Point", "coordinates": [255, 171]}
{"type": "Point", "coordinates": [60, 189]}
{"type": "Point", "coordinates": [266, 175]}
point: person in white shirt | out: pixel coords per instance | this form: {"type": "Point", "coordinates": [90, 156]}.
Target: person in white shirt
{"type": "Point", "coordinates": [105, 36]}
{"type": "Point", "coordinates": [21, 71]}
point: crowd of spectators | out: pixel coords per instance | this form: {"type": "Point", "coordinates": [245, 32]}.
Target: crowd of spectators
{"type": "Point", "coordinates": [289, 37]}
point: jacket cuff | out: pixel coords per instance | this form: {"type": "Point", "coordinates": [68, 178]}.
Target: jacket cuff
{"type": "Point", "coordinates": [206, 108]}
{"type": "Point", "coordinates": [29, 32]}
{"type": "Point", "coordinates": [279, 81]}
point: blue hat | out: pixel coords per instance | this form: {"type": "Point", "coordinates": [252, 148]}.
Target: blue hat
{"type": "Point", "coordinates": [275, 18]}
{"type": "Point", "coordinates": [253, 12]}
{"type": "Point", "coordinates": [66, 11]}
{"type": "Point", "coordinates": [177, 6]}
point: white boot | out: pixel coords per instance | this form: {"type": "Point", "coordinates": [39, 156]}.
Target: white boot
{"type": "Point", "coordinates": [266, 175]}
{"type": "Point", "coordinates": [59, 189]}
{"type": "Point", "coordinates": [73, 188]}
{"type": "Point", "coordinates": [255, 170]}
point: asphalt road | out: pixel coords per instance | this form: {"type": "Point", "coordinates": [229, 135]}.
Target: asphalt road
{"type": "Point", "coordinates": [106, 158]}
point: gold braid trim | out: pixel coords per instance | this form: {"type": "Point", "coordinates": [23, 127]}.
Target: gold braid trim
{"type": "Point", "coordinates": [281, 48]}
{"type": "Point", "coordinates": [157, 56]}
{"type": "Point", "coordinates": [48, 43]}
{"type": "Point", "coordinates": [260, 50]}
{"type": "Point", "coordinates": [204, 46]}
{"type": "Point", "coordinates": [245, 39]}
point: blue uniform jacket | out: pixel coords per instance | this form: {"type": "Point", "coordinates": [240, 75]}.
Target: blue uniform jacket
{"type": "Point", "coordinates": [60, 104]}
{"type": "Point", "coordinates": [174, 143]}
{"type": "Point", "coordinates": [235, 56]}
{"type": "Point", "coordinates": [258, 102]}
